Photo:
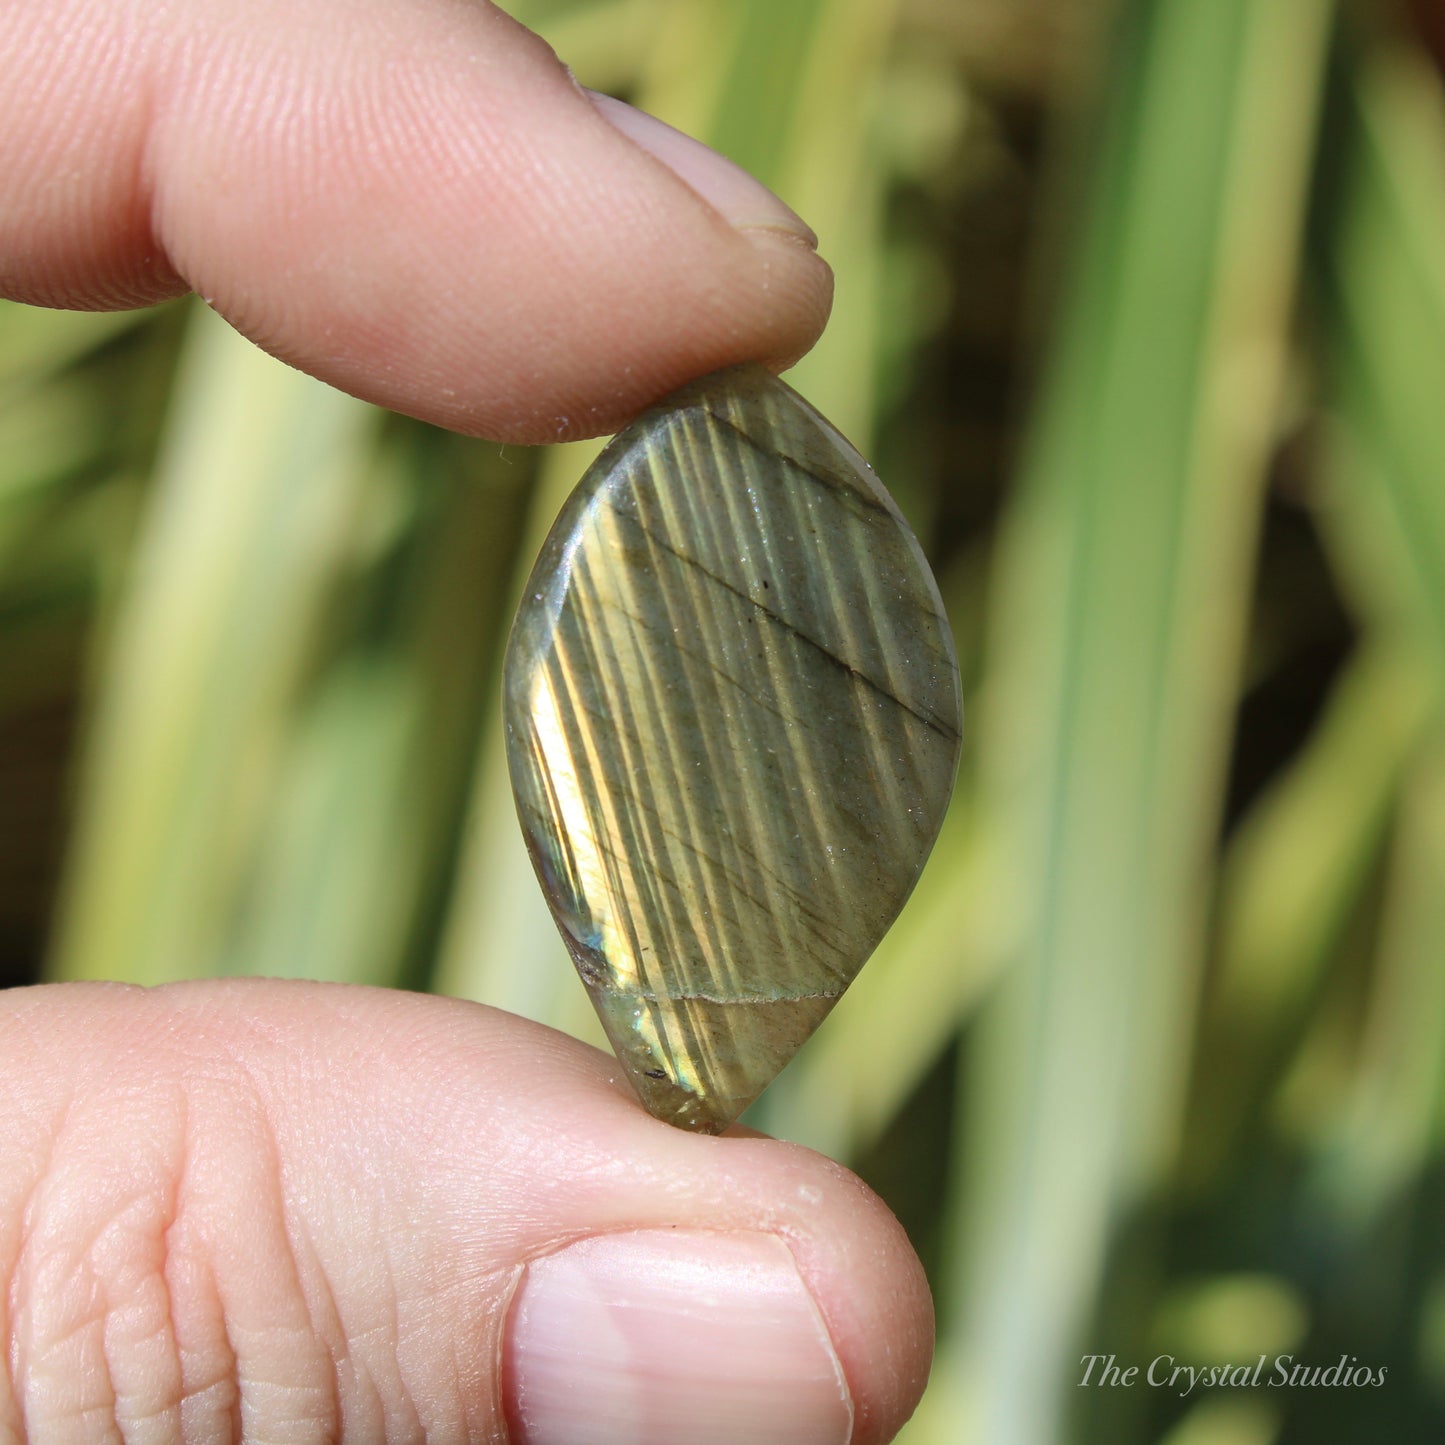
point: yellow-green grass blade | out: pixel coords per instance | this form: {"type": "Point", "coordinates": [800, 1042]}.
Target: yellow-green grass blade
{"type": "Point", "coordinates": [1119, 614]}
{"type": "Point", "coordinates": [833, 172]}
{"type": "Point", "coordinates": [1383, 268]}
{"type": "Point", "coordinates": [43, 440]}
{"type": "Point", "coordinates": [1381, 263]}
{"type": "Point", "coordinates": [360, 824]}
{"type": "Point", "coordinates": [1297, 869]}
{"type": "Point", "coordinates": [74, 412]}
{"type": "Point", "coordinates": [1373, 1153]}
{"type": "Point", "coordinates": [331, 892]}
{"type": "Point", "coordinates": [1230, 1421]}
{"type": "Point", "coordinates": [259, 471]}
{"type": "Point", "coordinates": [37, 343]}
{"type": "Point", "coordinates": [52, 546]}
{"type": "Point", "coordinates": [788, 94]}
{"type": "Point", "coordinates": [63, 430]}
{"type": "Point", "coordinates": [53, 581]}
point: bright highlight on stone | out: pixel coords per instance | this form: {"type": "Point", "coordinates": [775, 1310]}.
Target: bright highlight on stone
{"type": "Point", "coordinates": [733, 720]}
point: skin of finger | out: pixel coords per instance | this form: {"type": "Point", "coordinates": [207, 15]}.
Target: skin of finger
{"type": "Point", "coordinates": [414, 201]}
{"type": "Point", "coordinates": [329, 1194]}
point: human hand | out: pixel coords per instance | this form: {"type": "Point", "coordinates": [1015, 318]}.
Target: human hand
{"type": "Point", "coordinates": [292, 1211]}
{"type": "Point", "coordinates": [284, 1211]}
{"type": "Point", "coordinates": [414, 202]}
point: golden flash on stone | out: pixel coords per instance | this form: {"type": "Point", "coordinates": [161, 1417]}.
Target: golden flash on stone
{"type": "Point", "coordinates": [733, 722]}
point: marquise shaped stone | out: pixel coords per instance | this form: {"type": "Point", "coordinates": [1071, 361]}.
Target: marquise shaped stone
{"type": "Point", "coordinates": [733, 723]}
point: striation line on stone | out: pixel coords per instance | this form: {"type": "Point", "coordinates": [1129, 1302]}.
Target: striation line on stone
{"type": "Point", "coordinates": [933, 724]}
{"type": "Point", "coordinates": [829, 484]}
{"type": "Point", "coordinates": [789, 719]}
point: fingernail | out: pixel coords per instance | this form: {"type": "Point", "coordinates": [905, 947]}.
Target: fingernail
{"type": "Point", "coordinates": [659, 1336]}
{"type": "Point", "coordinates": [741, 201]}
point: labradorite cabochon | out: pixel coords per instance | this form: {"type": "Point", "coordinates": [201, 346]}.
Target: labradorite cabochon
{"type": "Point", "coordinates": [733, 721]}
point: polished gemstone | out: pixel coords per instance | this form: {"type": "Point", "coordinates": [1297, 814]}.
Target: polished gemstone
{"type": "Point", "coordinates": [733, 719]}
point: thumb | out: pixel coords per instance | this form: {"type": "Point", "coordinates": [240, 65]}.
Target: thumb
{"type": "Point", "coordinates": [409, 198]}
{"type": "Point", "coordinates": [289, 1211]}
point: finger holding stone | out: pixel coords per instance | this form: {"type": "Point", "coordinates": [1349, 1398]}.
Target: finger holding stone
{"type": "Point", "coordinates": [414, 201]}
{"type": "Point", "coordinates": [292, 1209]}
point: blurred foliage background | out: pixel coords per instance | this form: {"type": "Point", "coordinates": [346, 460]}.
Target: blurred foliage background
{"type": "Point", "coordinates": [1141, 314]}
